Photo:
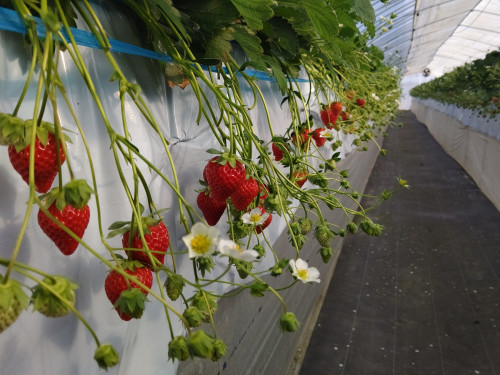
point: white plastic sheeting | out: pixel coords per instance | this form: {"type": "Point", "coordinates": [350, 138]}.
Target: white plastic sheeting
{"type": "Point", "coordinates": [438, 34]}
{"type": "Point", "coordinates": [471, 119]}
{"type": "Point", "coordinates": [475, 151]}
{"type": "Point", "coordinates": [39, 345]}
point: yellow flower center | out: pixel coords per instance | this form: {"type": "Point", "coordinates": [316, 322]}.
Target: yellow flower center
{"type": "Point", "coordinates": [302, 274]}
{"type": "Point", "coordinates": [200, 244]}
{"type": "Point", "coordinates": [255, 218]}
{"type": "Point", "coordinates": [238, 248]}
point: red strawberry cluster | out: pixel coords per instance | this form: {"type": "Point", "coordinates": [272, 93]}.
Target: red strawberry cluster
{"type": "Point", "coordinates": [225, 177]}
{"type": "Point", "coordinates": [128, 299]}
{"type": "Point", "coordinates": [330, 113]}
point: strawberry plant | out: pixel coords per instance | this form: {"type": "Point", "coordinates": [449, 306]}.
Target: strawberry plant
{"type": "Point", "coordinates": [253, 174]}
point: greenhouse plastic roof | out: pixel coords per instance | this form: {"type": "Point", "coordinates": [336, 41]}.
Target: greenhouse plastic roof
{"type": "Point", "coordinates": [437, 34]}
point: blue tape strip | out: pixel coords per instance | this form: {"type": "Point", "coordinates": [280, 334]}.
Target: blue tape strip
{"type": "Point", "coordinates": [11, 21]}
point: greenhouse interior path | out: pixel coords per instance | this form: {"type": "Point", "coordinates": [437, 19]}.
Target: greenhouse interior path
{"type": "Point", "coordinates": [423, 298]}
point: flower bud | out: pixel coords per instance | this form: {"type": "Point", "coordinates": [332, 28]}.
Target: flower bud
{"type": "Point", "coordinates": [106, 356]}
{"type": "Point", "coordinates": [289, 322]}
{"type": "Point", "coordinates": [193, 316]}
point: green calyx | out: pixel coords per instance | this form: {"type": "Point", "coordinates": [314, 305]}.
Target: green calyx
{"type": "Point", "coordinates": [18, 132]}
{"type": "Point", "coordinates": [50, 304]}
{"type": "Point", "coordinates": [76, 193]}
{"type": "Point", "coordinates": [131, 302]}
{"type": "Point", "coordinates": [224, 157]}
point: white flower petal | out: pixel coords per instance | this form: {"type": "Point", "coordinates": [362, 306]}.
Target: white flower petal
{"type": "Point", "coordinates": [301, 264]}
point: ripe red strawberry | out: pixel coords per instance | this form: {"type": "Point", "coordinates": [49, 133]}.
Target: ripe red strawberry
{"type": "Point", "coordinates": [46, 167]}
{"type": "Point", "coordinates": [277, 151]}
{"type": "Point", "coordinates": [345, 116]}
{"type": "Point", "coordinates": [73, 218]}
{"type": "Point", "coordinates": [361, 102]}
{"type": "Point", "coordinates": [300, 177]}
{"type": "Point", "coordinates": [304, 134]}
{"type": "Point", "coordinates": [245, 194]}
{"type": "Point", "coordinates": [260, 228]}
{"type": "Point", "coordinates": [326, 115]}
{"type": "Point", "coordinates": [130, 305]}
{"type": "Point", "coordinates": [211, 208]}
{"type": "Point", "coordinates": [157, 241]}
{"type": "Point", "coordinates": [224, 176]}
{"type": "Point", "coordinates": [335, 108]}
{"type": "Point", "coordinates": [320, 141]}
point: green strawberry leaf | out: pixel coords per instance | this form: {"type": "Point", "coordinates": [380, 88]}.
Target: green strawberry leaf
{"type": "Point", "coordinates": [250, 42]}
{"type": "Point", "coordinates": [254, 11]}
{"type": "Point", "coordinates": [213, 151]}
{"type": "Point", "coordinates": [117, 232]}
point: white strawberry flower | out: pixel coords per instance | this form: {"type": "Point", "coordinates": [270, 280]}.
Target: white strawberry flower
{"type": "Point", "coordinates": [303, 272]}
{"type": "Point", "coordinates": [327, 133]}
{"type": "Point", "coordinates": [255, 217]}
{"type": "Point", "coordinates": [202, 240]}
{"type": "Point", "coordinates": [233, 250]}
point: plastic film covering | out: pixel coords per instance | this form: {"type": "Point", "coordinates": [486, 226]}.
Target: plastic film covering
{"type": "Point", "coordinates": [438, 34]}
{"type": "Point", "coordinates": [63, 345]}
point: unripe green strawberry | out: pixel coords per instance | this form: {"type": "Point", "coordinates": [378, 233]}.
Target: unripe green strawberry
{"type": "Point", "coordinates": [326, 254]}
{"type": "Point", "coordinates": [243, 268]}
{"type": "Point", "coordinates": [351, 227]}
{"type": "Point", "coordinates": [323, 235]}
{"type": "Point", "coordinates": [305, 225]}
{"type": "Point", "coordinates": [49, 304]}
{"type": "Point", "coordinates": [174, 285]}
{"type": "Point", "coordinates": [13, 301]}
